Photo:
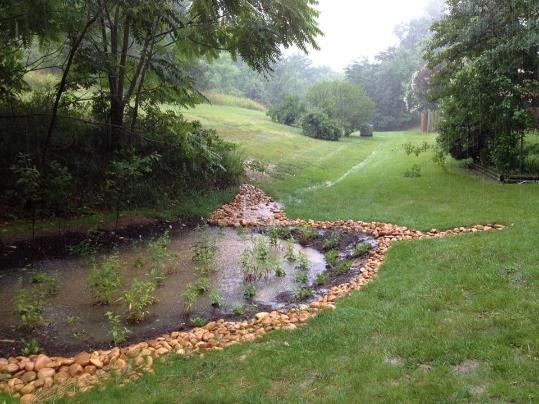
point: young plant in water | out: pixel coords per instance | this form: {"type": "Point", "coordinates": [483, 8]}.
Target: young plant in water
{"type": "Point", "coordinates": [261, 249]}
{"type": "Point", "coordinates": [74, 323]}
{"type": "Point", "coordinates": [29, 306]}
{"type": "Point", "coordinates": [204, 250]}
{"type": "Point", "coordinates": [331, 243]}
{"type": "Point", "coordinates": [361, 249]}
{"type": "Point", "coordinates": [302, 277]}
{"type": "Point", "coordinates": [162, 261]}
{"type": "Point", "coordinates": [202, 285]}
{"type": "Point", "coordinates": [303, 263]}
{"type": "Point", "coordinates": [306, 234]}
{"type": "Point", "coordinates": [30, 347]}
{"type": "Point", "coordinates": [249, 291]}
{"type": "Point", "coordinates": [198, 321]}
{"type": "Point", "coordinates": [48, 283]}
{"type": "Point", "coordinates": [344, 267]}
{"type": "Point", "coordinates": [290, 253]}
{"type": "Point", "coordinates": [303, 294]}
{"type": "Point", "coordinates": [278, 268]}
{"type": "Point", "coordinates": [332, 257]}
{"type": "Point", "coordinates": [250, 266]}
{"type": "Point", "coordinates": [104, 280]}
{"type": "Point", "coordinates": [139, 298]}
{"type": "Point", "coordinates": [216, 300]}
{"type": "Point", "coordinates": [239, 310]}
{"type": "Point", "coordinates": [118, 332]}
{"type": "Point", "coordinates": [190, 296]}
{"type": "Point", "coordinates": [322, 278]}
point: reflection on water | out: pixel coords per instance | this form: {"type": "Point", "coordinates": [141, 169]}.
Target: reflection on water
{"type": "Point", "coordinates": [74, 300]}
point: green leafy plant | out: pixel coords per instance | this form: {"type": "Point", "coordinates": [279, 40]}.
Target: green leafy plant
{"type": "Point", "coordinates": [74, 322]}
{"type": "Point", "coordinates": [202, 286]}
{"type": "Point", "coordinates": [29, 304]}
{"type": "Point", "coordinates": [239, 310]}
{"type": "Point", "coordinates": [104, 279]}
{"type": "Point", "coordinates": [190, 296]}
{"type": "Point", "coordinates": [118, 332]}
{"type": "Point", "coordinates": [278, 268]}
{"type": "Point", "coordinates": [139, 298]}
{"type": "Point", "coordinates": [303, 264]}
{"type": "Point", "coordinates": [290, 253]}
{"type": "Point", "coordinates": [344, 267]}
{"type": "Point", "coordinates": [162, 261]}
{"type": "Point", "coordinates": [361, 249]}
{"type": "Point", "coordinates": [302, 294]}
{"type": "Point", "coordinates": [249, 291]}
{"type": "Point", "coordinates": [332, 256]}
{"type": "Point", "coordinates": [302, 277]}
{"type": "Point", "coordinates": [306, 234]}
{"type": "Point", "coordinates": [331, 243]}
{"type": "Point", "coordinates": [322, 278]}
{"type": "Point", "coordinates": [30, 347]}
{"type": "Point", "coordinates": [198, 321]}
{"type": "Point", "coordinates": [204, 250]}
{"type": "Point", "coordinates": [49, 283]}
{"type": "Point", "coordinates": [216, 300]}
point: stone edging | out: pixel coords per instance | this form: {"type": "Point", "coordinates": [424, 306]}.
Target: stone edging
{"type": "Point", "coordinates": [38, 376]}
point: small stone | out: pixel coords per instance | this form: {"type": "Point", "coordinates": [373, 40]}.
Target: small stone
{"type": "Point", "coordinates": [28, 389]}
{"type": "Point", "coordinates": [75, 370]}
{"type": "Point", "coordinates": [12, 368]}
{"type": "Point", "coordinates": [261, 315]}
{"type": "Point", "coordinates": [96, 362]}
{"type": "Point", "coordinates": [41, 362]}
{"type": "Point", "coordinates": [82, 358]}
{"type": "Point", "coordinates": [90, 369]}
{"type": "Point", "coordinates": [45, 373]}
{"type": "Point", "coordinates": [61, 377]}
{"type": "Point", "coordinates": [28, 399]}
{"type": "Point", "coordinates": [28, 377]}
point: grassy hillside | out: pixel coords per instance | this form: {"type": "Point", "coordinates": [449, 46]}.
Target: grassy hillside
{"type": "Point", "coordinates": [452, 319]}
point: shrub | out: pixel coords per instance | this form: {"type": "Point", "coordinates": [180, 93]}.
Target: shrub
{"type": "Point", "coordinates": [288, 110]}
{"type": "Point", "coordinates": [361, 249]}
{"type": "Point", "coordinates": [138, 298]}
{"type": "Point", "coordinates": [320, 126]}
{"type": "Point", "coordinates": [366, 130]}
{"type": "Point", "coordinates": [117, 331]}
{"type": "Point", "coordinates": [104, 280]}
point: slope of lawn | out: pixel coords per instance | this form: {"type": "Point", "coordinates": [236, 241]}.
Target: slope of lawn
{"type": "Point", "coordinates": [452, 319]}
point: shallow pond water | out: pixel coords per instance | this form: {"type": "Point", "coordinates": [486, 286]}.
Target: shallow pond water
{"type": "Point", "coordinates": [76, 323]}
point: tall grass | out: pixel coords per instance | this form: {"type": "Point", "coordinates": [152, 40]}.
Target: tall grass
{"type": "Point", "coordinates": [234, 101]}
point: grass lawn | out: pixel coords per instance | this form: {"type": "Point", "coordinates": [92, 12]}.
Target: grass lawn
{"type": "Point", "coordinates": [452, 319]}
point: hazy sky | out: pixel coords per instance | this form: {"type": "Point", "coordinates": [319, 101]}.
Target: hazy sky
{"type": "Point", "coordinates": [355, 28]}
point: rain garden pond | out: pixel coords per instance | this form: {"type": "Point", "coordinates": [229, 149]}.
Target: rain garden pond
{"type": "Point", "coordinates": [180, 279]}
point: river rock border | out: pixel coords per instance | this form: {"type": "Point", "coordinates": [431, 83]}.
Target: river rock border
{"type": "Point", "coordinates": [38, 377]}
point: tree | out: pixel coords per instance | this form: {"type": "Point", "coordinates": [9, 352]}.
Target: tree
{"type": "Point", "coordinates": [344, 102]}
{"type": "Point", "coordinates": [487, 61]}
{"type": "Point", "coordinates": [288, 111]}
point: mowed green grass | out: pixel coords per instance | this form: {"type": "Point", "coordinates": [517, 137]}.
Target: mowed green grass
{"type": "Point", "coordinates": [452, 319]}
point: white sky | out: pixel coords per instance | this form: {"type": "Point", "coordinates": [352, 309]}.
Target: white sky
{"type": "Point", "coordinates": [355, 28]}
